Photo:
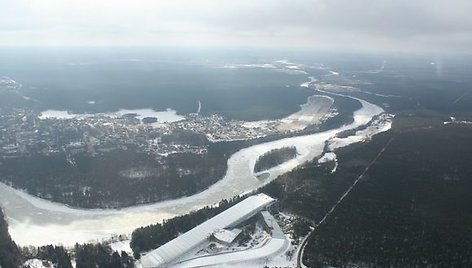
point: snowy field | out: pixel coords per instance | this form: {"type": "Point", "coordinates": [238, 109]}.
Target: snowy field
{"type": "Point", "coordinates": [34, 221]}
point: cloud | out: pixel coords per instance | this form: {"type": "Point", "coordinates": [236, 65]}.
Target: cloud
{"type": "Point", "coordinates": [431, 25]}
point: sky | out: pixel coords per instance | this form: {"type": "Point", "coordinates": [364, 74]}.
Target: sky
{"type": "Point", "coordinates": [338, 25]}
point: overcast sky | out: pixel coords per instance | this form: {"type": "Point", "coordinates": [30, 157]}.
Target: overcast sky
{"type": "Point", "coordinates": [372, 25]}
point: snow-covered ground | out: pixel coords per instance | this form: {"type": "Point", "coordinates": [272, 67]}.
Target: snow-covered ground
{"type": "Point", "coordinates": [168, 115]}
{"type": "Point", "coordinates": [310, 113]}
{"type": "Point", "coordinates": [56, 114]}
{"type": "Point", "coordinates": [378, 125]}
{"type": "Point", "coordinates": [308, 83]}
{"type": "Point", "coordinates": [455, 121]}
{"type": "Point", "coordinates": [122, 246]}
{"type": "Point", "coordinates": [279, 65]}
{"type": "Point", "coordinates": [36, 263]}
{"type": "Point", "coordinates": [329, 157]}
{"type": "Point", "coordinates": [34, 221]}
{"type": "Point", "coordinates": [314, 111]}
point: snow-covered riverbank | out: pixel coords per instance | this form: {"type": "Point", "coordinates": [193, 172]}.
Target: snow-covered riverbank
{"type": "Point", "coordinates": [35, 221]}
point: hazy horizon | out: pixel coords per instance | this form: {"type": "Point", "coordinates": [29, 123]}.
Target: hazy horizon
{"type": "Point", "coordinates": [436, 26]}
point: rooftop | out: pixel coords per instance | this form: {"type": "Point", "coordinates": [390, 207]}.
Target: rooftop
{"type": "Point", "coordinates": [171, 251]}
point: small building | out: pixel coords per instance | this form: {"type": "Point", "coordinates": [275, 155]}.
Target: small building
{"type": "Point", "coordinates": [271, 226]}
{"type": "Point", "coordinates": [226, 237]}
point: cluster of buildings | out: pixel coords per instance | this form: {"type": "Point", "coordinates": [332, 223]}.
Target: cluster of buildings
{"type": "Point", "coordinates": [217, 128]}
{"type": "Point", "coordinates": [23, 133]}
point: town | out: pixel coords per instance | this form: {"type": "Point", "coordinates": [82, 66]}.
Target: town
{"type": "Point", "coordinates": [24, 132]}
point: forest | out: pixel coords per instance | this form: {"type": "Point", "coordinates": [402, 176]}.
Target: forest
{"type": "Point", "coordinates": [411, 209]}
{"type": "Point", "coordinates": [10, 255]}
{"type": "Point", "coordinates": [135, 177]}
{"type": "Point", "coordinates": [274, 158]}
{"type": "Point", "coordinates": [84, 255]}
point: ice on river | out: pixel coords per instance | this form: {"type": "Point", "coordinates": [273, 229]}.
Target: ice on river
{"type": "Point", "coordinates": [34, 221]}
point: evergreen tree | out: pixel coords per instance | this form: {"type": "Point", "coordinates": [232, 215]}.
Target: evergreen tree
{"type": "Point", "coordinates": [9, 254]}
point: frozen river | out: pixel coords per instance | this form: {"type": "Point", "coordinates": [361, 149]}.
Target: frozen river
{"type": "Point", "coordinates": [34, 221]}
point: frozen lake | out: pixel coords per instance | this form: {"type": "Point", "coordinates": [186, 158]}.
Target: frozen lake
{"type": "Point", "coordinates": [166, 116]}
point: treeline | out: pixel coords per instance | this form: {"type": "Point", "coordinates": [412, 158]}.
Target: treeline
{"type": "Point", "coordinates": [97, 255]}
{"type": "Point", "coordinates": [85, 256]}
{"type": "Point", "coordinates": [10, 255]}
{"type": "Point", "coordinates": [57, 255]}
{"type": "Point", "coordinates": [274, 158]}
{"type": "Point", "coordinates": [153, 236]}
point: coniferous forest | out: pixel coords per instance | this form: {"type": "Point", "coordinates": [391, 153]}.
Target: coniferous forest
{"type": "Point", "coordinates": [411, 208]}
{"type": "Point", "coordinates": [9, 254]}
{"type": "Point", "coordinates": [274, 158]}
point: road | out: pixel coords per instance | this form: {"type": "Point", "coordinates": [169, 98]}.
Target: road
{"type": "Point", "coordinates": [333, 208]}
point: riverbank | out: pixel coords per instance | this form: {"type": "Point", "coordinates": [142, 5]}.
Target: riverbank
{"type": "Point", "coordinates": [35, 221]}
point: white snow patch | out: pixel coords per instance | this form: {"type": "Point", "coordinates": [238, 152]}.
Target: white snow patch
{"type": "Point", "coordinates": [122, 246]}
{"type": "Point", "coordinates": [256, 65]}
{"type": "Point", "coordinates": [56, 114]}
{"type": "Point", "coordinates": [329, 157]}
{"type": "Point", "coordinates": [285, 61]}
{"type": "Point", "coordinates": [382, 124]}
{"type": "Point", "coordinates": [280, 65]}
{"type": "Point", "coordinates": [37, 263]}
{"type": "Point", "coordinates": [455, 121]}
{"type": "Point", "coordinates": [333, 73]}
{"type": "Point", "coordinates": [307, 84]}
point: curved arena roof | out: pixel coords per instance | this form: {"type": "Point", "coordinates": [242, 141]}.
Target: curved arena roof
{"type": "Point", "coordinates": [171, 251]}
